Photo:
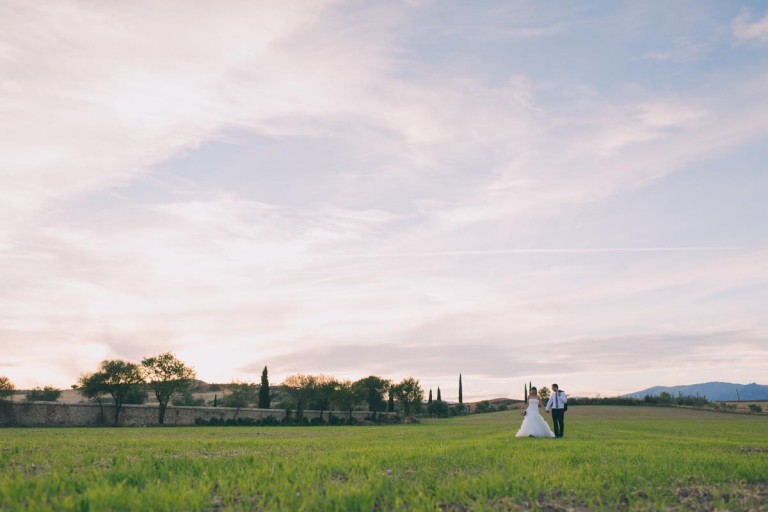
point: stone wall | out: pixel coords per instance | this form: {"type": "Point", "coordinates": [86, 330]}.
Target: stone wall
{"type": "Point", "coordinates": [55, 414]}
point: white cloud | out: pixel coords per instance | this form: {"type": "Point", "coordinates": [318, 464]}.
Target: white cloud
{"type": "Point", "coordinates": [683, 51]}
{"type": "Point", "coordinates": [744, 30]}
{"type": "Point", "coordinates": [93, 96]}
{"type": "Point", "coordinates": [428, 231]}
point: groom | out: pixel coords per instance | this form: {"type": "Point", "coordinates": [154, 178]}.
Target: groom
{"type": "Point", "coordinates": [557, 403]}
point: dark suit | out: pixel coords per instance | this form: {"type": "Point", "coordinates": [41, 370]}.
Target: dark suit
{"type": "Point", "coordinates": [556, 403]}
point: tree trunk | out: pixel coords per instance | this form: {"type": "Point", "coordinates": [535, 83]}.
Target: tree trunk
{"type": "Point", "coordinates": [163, 407]}
{"type": "Point", "coordinates": [101, 410]}
{"type": "Point", "coordinates": [118, 406]}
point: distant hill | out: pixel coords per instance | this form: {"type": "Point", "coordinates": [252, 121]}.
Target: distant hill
{"type": "Point", "coordinates": [713, 391]}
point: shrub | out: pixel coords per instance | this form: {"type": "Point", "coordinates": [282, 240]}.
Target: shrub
{"type": "Point", "coordinates": [243, 422]}
{"type": "Point", "coordinates": [230, 422]}
{"type": "Point", "coordinates": [270, 421]}
{"type": "Point", "coordinates": [694, 401]}
{"type": "Point", "coordinates": [136, 396]}
{"type": "Point", "coordinates": [186, 399]}
{"type": "Point", "coordinates": [755, 408]}
{"type": "Point", "coordinates": [484, 406]}
{"type": "Point", "coordinates": [213, 422]}
{"type": "Point", "coordinates": [47, 394]}
{"type": "Point", "coordinates": [439, 409]}
{"type": "Point", "coordinates": [6, 388]}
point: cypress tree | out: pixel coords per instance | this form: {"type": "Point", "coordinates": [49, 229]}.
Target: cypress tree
{"type": "Point", "coordinates": [391, 401]}
{"type": "Point", "coordinates": [439, 398]}
{"type": "Point", "coordinates": [264, 395]}
{"type": "Point", "coordinates": [429, 402]}
{"type": "Point", "coordinates": [461, 391]}
{"type": "Point", "coordinates": [525, 393]}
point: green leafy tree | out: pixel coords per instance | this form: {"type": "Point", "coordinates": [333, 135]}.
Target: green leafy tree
{"type": "Point", "coordinates": [166, 375]}
{"type": "Point", "coordinates": [373, 389]}
{"type": "Point", "coordinates": [544, 393]}
{"type": "Point", "coordinates": [93, 387]}
{"type": "Point", "coordinates": [240, 395]}
{"type": "Point", "coordinates": [391, 399]}
{"type": "Point", "coordinates": [348, 396]}
{"type": "Point", "coordinates": [301, 388]}
{"type": "Point", "coordinates": [324, 394]}
{"type": "Point", "coordinates": [265, 398]}
{"type": "Point", "coordinates": [409, 394]}
{"type": "Point", "coordinates": [123, 380]}
{"type": "Point", "coordinates": [117, 378]}
{"type": "Point", "coordinates": [6, 388]}
{"type": "Point", "coordinates": [439, 409]}
{"type": "Point", "coordinates": [47, 394]}
{"type": "Point", "coordinates": [484, 406]}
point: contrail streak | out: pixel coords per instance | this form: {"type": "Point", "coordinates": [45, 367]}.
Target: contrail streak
{"type": "Point", "coordinates": [495, 252]}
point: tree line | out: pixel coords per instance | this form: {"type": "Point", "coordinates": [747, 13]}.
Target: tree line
{"type": "Point", "coordinates": [662, 399]}
{"type": "Point", "coordinates": [171, 381]}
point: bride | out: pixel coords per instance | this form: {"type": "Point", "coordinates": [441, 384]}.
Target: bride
{"type": "Point", "coordinates": [533, 423]}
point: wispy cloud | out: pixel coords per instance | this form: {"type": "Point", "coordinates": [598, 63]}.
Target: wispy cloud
{"type": "Point", "coordinates": [431, 156]}
{"type": "Point", "coordinates": [106, 105]}
{"type": "Point", "coordinates": [576, 250]}
{"type": "Point", "coordinates": [683, 51]}
{"type": "Point", "coordinates": [746, 30]}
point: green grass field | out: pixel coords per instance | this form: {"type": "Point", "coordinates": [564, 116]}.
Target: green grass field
{"type": "Point", "coordinates": [612, 458]}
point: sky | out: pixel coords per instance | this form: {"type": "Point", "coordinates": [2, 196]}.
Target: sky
{"type": "Point", "coordinates": [513, 191]}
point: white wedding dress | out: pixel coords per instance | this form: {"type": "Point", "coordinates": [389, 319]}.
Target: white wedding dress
{"type": "Point", "coordinates": [533, 423]}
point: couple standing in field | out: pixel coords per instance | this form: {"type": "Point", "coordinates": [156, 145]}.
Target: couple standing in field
{"type": "Point", "coordinates": [534, 424]}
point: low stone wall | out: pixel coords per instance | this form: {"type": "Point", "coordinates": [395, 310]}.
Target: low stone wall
{"type": "Point", "coordinates": [55, 414]}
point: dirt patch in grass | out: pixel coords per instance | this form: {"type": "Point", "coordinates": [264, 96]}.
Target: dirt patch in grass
{"type": "Point", "coordinates": [752, 497]}
{"type": "Point", "coordinates": [753, 449]}
{"type": "Point", "coordinates": [695, 498]}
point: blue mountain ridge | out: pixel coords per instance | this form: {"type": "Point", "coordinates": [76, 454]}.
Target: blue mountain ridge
{"type": "Point", "coordinates": [713, 391]}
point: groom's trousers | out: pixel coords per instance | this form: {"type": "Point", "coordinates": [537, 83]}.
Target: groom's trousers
{"type": "Point", "coordinates": [558, 415]}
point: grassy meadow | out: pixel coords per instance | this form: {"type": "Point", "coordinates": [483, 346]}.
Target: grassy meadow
{"type": "Point", "coordinates": [612, 458]}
